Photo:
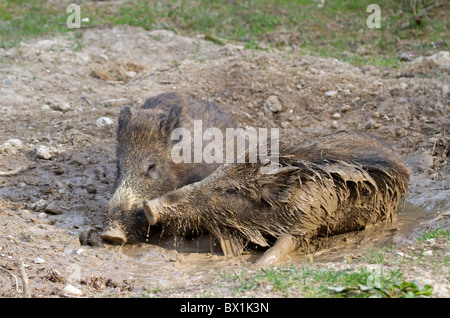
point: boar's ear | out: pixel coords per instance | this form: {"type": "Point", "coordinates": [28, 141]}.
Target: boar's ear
{"type": "Point", "coordinates": [124, 118]}
{"type": "Point", "coordinates": [170, 120]}
{"type": "Point", "coordinates": [277, 183]}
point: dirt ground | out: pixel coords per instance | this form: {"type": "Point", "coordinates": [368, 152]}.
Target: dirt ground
{"type": "Point", "coordinates": [56, 90]}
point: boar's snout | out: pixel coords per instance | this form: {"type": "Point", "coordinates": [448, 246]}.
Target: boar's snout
{"type": "Point", "coordinates": [123, 215]}
{"type": "Point", "coordinates": [151, 210]}
{"type": "Point", "coordinates": [114, 233]}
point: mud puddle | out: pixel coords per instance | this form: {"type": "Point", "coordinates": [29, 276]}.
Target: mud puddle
{"type": "Point", "coordinates": [170, 260]}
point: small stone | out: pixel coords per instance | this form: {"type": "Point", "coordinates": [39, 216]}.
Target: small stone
{"type": "Point", "coordinates": [273, 104]}
{"type": "Point", "coordinates": [370, 124]}
{"type": "Point", "coordinates": [334, 124]}
{"type": "Point", "coordinates": [428, 253]}
{"type": "Point", "coordinates": [330, 94]}
{"type": "Point", "coordinates": [115, 102]}
{"type": "Point", "coordinates": [285, 124]}
{"type": "Point", "coordinates": [7, 149]}
{"type": "Point", "coordinates": [345, 108]}
{"type": "Point", "coordinates": [403, 85]}
{"type": "Point", "coordinates": [39, 205]}
{"type": "Point", "coordinates": [79, 251]}
{"type": "Point", "coordinates": [104, 121]}
{"type": "Point", "coordinates": [39, 260]}
{"type": "Point", "coordinates": [405, 57]}
{"type": "Point", "coordinates": [336, 115]}
{"type": "Point", "coordinates": [43, 152]}
{"type": "Point", "coordinates": [53, 208]}
{"type": "Point", "coordinates": [64, 107]}
{"type": "Point", "coordinates": [42, 215]}
{"type": "Point", "coordinates": [131, 74]}
{"type": "Point", "coordinates": [71, 291]}
{"type": "Point", "coordinates": [17, 143]}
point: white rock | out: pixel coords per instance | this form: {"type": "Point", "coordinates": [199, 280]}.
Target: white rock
{"type": "Point", "coordinates": [334, 124]}
{"type": "Point", "coordinates": [131, 74]}
{"type": "Point", "coordinates": [104, 121]}
{"type": "Point", "coordinates": [42, 215]}
{"type": "Point", "coordinates": [39, 205]}
{"type": "Point", "coordinates": [71, 291]}
{"type": "Point", "coordinates": [115, 102]}
{"type": "Point", "coordinates": [64, 107]}
{"type": "Point", "coordinates": [336, 115]}
{"type": "Point", "coordinates": [330, 93]}
{"type": "Point", "coordinates": [273, 104]}
{"type": "Point", "coordinates": [7, 149]}
{"type": "Point", "coordinates": [428, 253]}
{"type": "Point", "coordinates": [17, 143]}
{"type": "Point", "coordinates": [39, 260]}
{"type": "Point", "coordinates": [43, 152]}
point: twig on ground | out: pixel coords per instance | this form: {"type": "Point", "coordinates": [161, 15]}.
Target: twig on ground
{"type": "Point", "coordinates": [16, 171]}
{"type": "Point", "coordinates": [25, 281]}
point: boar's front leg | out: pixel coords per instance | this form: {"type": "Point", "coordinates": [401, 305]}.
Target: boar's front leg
{"type": "Point", "coordinates": [284, 245]}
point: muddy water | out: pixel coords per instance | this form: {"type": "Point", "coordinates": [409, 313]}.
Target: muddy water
{"type": "Point", "coordinates": [170, 261]}
{"type": "Point", "coordinates": [189, 261]}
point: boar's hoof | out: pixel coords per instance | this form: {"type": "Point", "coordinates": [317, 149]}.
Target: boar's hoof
{"type": "Point", "coordinates": [151, 211]}
{"type": "Point", "coordinates": [284, 245]}
{"type": "Point", "coordinates": [114, 235]}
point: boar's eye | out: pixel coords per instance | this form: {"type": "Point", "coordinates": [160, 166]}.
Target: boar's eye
{"type": "Point", "coordinates": [231, 191]}
{"type": "Point", "coordinates": [151, 167]}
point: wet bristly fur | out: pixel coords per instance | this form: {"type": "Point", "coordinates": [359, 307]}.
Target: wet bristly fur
{"type": "Point", "coordinates": [330, 185]}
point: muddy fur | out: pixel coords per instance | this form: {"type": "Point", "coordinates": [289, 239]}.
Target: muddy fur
{"type": "Point", "coordinates": [144, 139]}
{"type": "Point", "coordinates": [333, 184]}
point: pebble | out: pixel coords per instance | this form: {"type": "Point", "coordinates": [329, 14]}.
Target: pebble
{"type": "Point", "coordinates": [39, 260]}
{"type": "Point", "coordinates": [71, 291]}
{"type": "Point", "coordinates": [345, 108]}
{"type": "Point", "coordinates": [17, 143]}
{"type": "Point", "coordinates": [371, 124]}
{"type": "Point", "coordinates": [43, 152]}
{"type": "Point", "coordinates": [334, 124]}
{"type": "Point", "coordinates": [273, 104]}
{"type": "Point", "coordinates": [39, 205]}
{"type": "Point", "coordinates": [405, 57]}
{"type": "Point", "coordinates": [131, 74]}
{"type": "Point", "coordinates": [53, 208]}
{"type": "Point", "coordinates": [42, 215]}
{"type": "Point", "coordinates": [330, 93]}
{"type": "Point", "coordinates": [8, 149]}
{"type": "Point", "coordinates": [115, 102]}
{"type": "Point", "coordinates": [104, 121]}
{"type": "Point", "coordinates": [336, 115]}
{"type": "Point", "coordinates": [64, 107]}
{"type": "Point", "coordinates": [428, 253]}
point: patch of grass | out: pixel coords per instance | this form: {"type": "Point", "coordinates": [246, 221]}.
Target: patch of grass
{"type": "Point", "coordinates": [338, 29]}
{"type": "Point", "coordinates": [436, 233]}
{"type": "Point", "coordinates": [311, 282]}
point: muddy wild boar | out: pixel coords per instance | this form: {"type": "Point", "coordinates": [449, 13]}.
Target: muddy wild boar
{"type": "Point", "coordinates": [145, 169]}
{"type": "Point", "coordinates": [330, 185]}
